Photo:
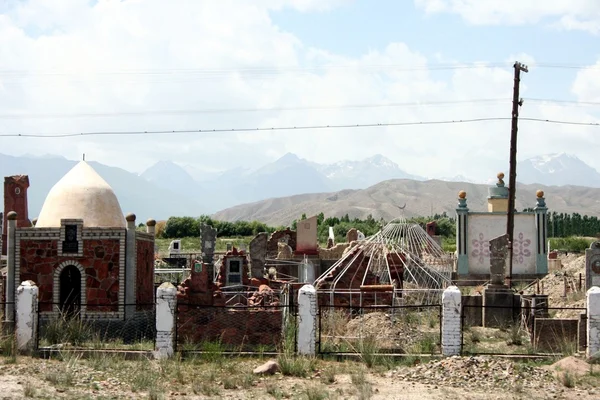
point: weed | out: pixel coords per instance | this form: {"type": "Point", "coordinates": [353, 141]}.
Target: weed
{"type": "Point", "coordinates": [567, 379]}
{"type": "Point", "coordinates": [66, 329]}
{"type": "Point", "coordinates": [247, 381]}
{"type": "Point", "coordinates": [296, 366]}
{"type": "Point", "coordinates": [475, 336]}
{"type": "Point", "coordinates": [29, 390]}
{"type": "Point", "coordinates": [155, 394]}
{"type": "Point", "coordinates": [365, 391]}
{"type": "Point", "coordinates": [359, 378]}
{"type": "Point", "coordinates": [515, 335]}
{"type": "Point", "coordinates": [229, 382]}
{"type": "Point", "coordinates": [316, 393]}
{"type": "Point", "coordinates": [212, 352]}
{"type": "Point", "coordinates": [207, 388]}
{"type": "Point", "coordinates": [426, 345]}
{"type": "Point", "coordinates": [328, 376]}
{"type": "Point", "coordinates": [143, 378]}
{"type": "Point", "coordinates": [274, 391]}
{"type": "Point", "coordinates": [368, 349]}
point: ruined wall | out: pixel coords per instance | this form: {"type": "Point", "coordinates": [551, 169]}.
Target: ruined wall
{"type": "Point", "coordinates": [230, 326]}
{"type": "Point", "coordinates": [39, 259]}
{"type": "Point", "coordinates": [144, 272]}
{"type": "Point", "coordinates": [287, 236]}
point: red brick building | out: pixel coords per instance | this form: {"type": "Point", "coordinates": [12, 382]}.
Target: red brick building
{"type": "Point", "coordinates": [83, 253]}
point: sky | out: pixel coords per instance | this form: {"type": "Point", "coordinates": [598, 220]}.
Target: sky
{"type": "Point", "coordinates": [75, 66]}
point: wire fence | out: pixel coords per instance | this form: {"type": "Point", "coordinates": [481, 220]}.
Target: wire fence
{"type": "Point", "coordinates": [522, 330]}
{"type": "Point", "coordinates": [232, 328]}
{"type": "Point", "coordinates": [405, 329]}
{"type": "Point", "coordinates": [82, 328]}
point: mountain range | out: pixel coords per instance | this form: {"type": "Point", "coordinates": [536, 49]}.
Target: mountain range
{"type": "Point", "coordinates": [167, 188]}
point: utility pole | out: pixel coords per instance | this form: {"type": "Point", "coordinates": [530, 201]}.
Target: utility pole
{"type": "Point", "coordinates": [512, 184]}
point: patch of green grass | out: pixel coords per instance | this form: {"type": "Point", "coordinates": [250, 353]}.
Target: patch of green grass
{"type": "Point", "coordinates": [63, 329]}
{"type": "Point", "coordinates": [204, 387]}
{"type": "Point", "coordinates": [567, 379]}
{"type": "Point", "coordinates": [328, 375]}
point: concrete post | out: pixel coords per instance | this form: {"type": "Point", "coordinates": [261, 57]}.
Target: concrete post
{"type": "Point", "coordinates": [541, 211]}
{"type": "Point", "coordinates": [130, 267]}
{"type": "Point", "coordinates": [593, 322]}
{"type": "Point", "coordinates": [11, 228]}
{"type": "Point", "coordinates": [451, 321]}
{"type": "Point", "coordinates": [151, 227]}
{"type": "Point", "coordinates": [462, 220]}
{"type": "Point", "coordinates": [26, 318]}
{"type": "Point", "coordinates": [166, 304]}
{"type": "Point", "coordinates": [307, 314]}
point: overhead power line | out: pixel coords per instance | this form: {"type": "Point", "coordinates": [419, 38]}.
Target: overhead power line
{"type": "Point", "coordinates": [426, 103]}
{"type": "Point", "coordinates": [291, 128]}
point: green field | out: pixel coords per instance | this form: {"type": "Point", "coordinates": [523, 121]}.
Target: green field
{"type": "Point", "coordinates": [192, 244]}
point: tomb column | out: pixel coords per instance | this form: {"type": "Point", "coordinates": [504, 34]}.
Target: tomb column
{"type": "Point", "coordinates": [11, 245]}
{"type": "Point", "coordinates": [451, 321]}
{"type": "Point", "coordinates": [307, 315]}
{"type": "Point", "coordinates": [541, 211]}
{"type": "Point", "coordinates": [593, 322]}
{"type": "Point", "coordinates": [130, 266]}
{"type": "Point", "coordinates": [166, 305]}
{"type": "Point", "coordinates": [462, 216]}
{"type": "Point", "coordinates": [26, 318]}
{"type": "Point", "coordinates": [151, 227]}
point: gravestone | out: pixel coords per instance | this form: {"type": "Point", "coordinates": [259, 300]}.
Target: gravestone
{"type": "Point", "coordinates": [208, 242]}
{"type": "Point", "coordinates": [175, 247]}
{"type": "Point", "coordinates": [592, 265]}
{"type": "Point", "coordinates": [258, 254]}
{"type": "Point", "coordinates": [498, 299]}
{"type": "Point", "coordinates": [306, 236]}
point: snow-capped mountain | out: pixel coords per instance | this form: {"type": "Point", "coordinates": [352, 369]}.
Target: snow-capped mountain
{"type": "Point", "coordinates": [557, 169]}
{"type": "Point", "coordinates": [459, 178]}
{"type": "Point", "coordinates": [360, 174]}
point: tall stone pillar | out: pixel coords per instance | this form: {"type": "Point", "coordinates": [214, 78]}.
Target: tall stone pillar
{"type": "Point", "coordinates": [462, 216]}
{"type": "Point", "coordinates": [130, 267]}
{"type": "Point", "coordinates": [541, 211]}
{"type": "Point", "coordinates": [451, 321]}
{"type": "Point", "coordinates": [11, 245]}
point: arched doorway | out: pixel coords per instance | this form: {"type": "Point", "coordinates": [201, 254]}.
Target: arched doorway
{"type": "Point", "coordinates": [70, 291]}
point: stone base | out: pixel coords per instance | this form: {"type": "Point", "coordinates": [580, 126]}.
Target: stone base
{"type": "Point", "coordinates": [498, 306]}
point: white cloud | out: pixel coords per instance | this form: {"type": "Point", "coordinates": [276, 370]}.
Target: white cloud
{"type": "Point", "coordinates": [141, 57]}
{"type": "Point", "coordinates": [587, 84]}
{"type": "Point", "coordinates": [569, 15]}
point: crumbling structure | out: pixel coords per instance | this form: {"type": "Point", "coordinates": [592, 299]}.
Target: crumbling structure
{"type": "Point", "coordinates": [399, 264]}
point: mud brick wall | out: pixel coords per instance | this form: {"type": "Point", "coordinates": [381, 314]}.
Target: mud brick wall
{"type": "Point", "coordinates": [39, 259]}
{"type": "Point", "coordinates": [145, 273]}
{"type": "Point", "coordinates": [552, 334]}
{"type": "Point", "coordinates": [234, 327]}
{"type": "Point", "coordinates": [275, 237]}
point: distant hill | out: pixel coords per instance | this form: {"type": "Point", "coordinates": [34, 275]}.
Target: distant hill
{"type": "Point", "coordinates": [557, 169]}
{"type": "Point", "coordinates": [135, 193]}
{"type": "Point", "coordinates": [421, 198]}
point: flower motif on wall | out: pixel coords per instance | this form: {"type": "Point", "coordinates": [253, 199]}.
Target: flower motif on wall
{"type": "Point", "coordinates": [520, 251]}
{"type": "Point", "coordinates": [481, 248]}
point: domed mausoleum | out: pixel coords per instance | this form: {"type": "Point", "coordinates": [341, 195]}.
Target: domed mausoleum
{"type": "Point", "coordinates": [85, 256]}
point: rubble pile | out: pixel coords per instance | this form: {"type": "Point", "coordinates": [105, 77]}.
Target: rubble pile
{"type": "Point", "coordinates": [481, 372]}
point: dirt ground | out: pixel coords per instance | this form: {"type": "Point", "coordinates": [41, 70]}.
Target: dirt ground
{"type": "Point", "coordinates": [110, 377]}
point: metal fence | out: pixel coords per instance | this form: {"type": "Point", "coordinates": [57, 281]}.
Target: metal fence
{"type": "Point", "coordinates": [88, 328]}
{"type": "Point", "coordinates": [405, 329]}
{"type": "Point", "coordinates": [202, 328]}
{"type": "Point", "coordinates": [520, 329]}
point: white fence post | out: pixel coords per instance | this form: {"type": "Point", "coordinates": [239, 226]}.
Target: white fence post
{"type": "Point", "coordinates": [307, 326]}
{"type": "Point", "coordinates": [166, 303]}
{"type": "Point", "coordinates": [451, 321]}
{"type": "Point", "coordinates": [26, 323]}
{"type": "Point", "coordinates": [593, 322]}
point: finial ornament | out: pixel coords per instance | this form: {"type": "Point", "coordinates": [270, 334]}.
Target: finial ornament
{"type": "Point", "coordinates": [500, 177]}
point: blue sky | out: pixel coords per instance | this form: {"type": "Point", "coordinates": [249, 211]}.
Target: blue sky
{"type": "Point", "coordinates": [81, 66]}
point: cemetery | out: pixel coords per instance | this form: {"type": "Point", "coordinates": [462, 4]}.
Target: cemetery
{"type": "Point", "coordinates": [84, 263]}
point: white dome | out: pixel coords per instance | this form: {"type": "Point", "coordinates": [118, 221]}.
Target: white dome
{"type": "Point", "coordinates": [82, 194]}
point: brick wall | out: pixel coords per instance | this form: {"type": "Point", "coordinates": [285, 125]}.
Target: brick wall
{"type": "Point", "coordinates": [230, 326]}
{"type": "Point", "coordinates": [39, 259]}
{"type": "Point", "coordinates": [275, 237]}
{"type": "Point", "coordinates": [15, 199]}
{"type": "Point", "coordinates": [144, 272]}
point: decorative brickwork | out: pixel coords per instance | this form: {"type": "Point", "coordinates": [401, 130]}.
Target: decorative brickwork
{"type": "Point", "coordinates": [244, 269]}
{"type": "Point", "coordinates": [145, 273]}
{"type": "Point", "coordinates": [15, 199]}
{"type": "Point", "coordinates": [101, 263]}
